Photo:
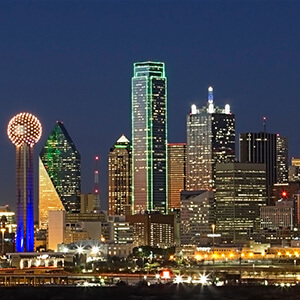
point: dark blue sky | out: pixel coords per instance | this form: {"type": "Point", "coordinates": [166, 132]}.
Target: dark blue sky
{"type": "Point", "coordinates": [72, 61]}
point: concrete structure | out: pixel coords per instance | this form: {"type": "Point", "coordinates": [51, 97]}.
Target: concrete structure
{"type": "Point", "coordinates": [197, 217]}
{"type": "Point", "coordinates": [210, 140]}
{"type": "Point", "coordinates": [176, 173]}
{"type": "Point", "coordinates": [119, 178]}
{"type": "Point", "coordinates": [240, 193]}
{"type": "Point", "coordinates": [56, 228]}
{"type": "Point", "coordinates": [152, 229]}
{"type": "Point", "coordinates": [24, 130]}
{"type": "Point", "coordinates": [87, 203]}
{"type": "Point", "coordinates": [149, 137]}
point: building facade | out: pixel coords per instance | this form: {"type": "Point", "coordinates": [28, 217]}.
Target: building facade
{"type": "Point", "coordinates": [261, 147]}
{"type": "Point", "coordinates": [210, 140]}
{"type": "Point", "coordinates": [119, 178]}
{"type": "Point", "coordinates": [282, 159]}
{"type": "Point", "coordinates": [59, 174]}
{"type": "Point", "coordinates": [240, 193]}
{"type": "Point", "coordinates": [149, 137]}
{"type": "Point", "coordinates": [176, 173]}
{"type": "Point", "coordinates": [197, 217]}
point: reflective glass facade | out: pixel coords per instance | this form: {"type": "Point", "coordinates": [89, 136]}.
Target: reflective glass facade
{"type": "Point", "coordinates": [149, 137]}
{"type": "Point", "coordinates": [62, 163]}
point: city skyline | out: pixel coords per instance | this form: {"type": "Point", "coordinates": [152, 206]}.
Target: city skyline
{"type": "Point", "coordinates": [59, 75]}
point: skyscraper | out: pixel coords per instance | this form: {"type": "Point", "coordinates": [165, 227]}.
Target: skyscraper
{"type": "Point", "coordinates": [119, 177]}
{"type": "Point", "coordinates": [176, 173]}
{"type": "Point", "coordinates": [282, 159]}
{"type": "Point", "coordinates": [24, 130]}
{"type": "Point", "coordinates": [149, 137]}
{"type": "Point", "coordinates": [59, 174]}
{"type": "Point", "coordinates": [260, 147]}
{"type": "Point", "coordinates": [210, 140]}
{"type": "Point", "coordinates": [240, 193]}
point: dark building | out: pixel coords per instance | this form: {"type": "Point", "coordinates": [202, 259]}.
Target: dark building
{"type": "Point", "coordinates": [60, 174]}
{"type": "Point", "coordinates": [261, 147]}
{"type": "Point", "coordinates": [149, 137]}
{"type": "Point", "coordinates": [119, 178]}
{"type": "Point", "coordinates": [240, 193]}
{"type": "Point", "coordinates": [210, 140]}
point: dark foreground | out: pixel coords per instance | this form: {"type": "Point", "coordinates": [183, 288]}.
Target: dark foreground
{"type": "Point", "coordinates": [154, 292]}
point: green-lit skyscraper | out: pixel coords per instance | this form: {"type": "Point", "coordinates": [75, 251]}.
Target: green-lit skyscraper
{"type": "Point", "coordinates": [59, 174]}
{"type": "Point", "coordinates": [149, 137]}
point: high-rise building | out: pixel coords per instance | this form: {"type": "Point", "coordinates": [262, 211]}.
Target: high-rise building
{"type": "Point", "coordinates": [176, 173]}
{"type": "Point", "coordinates": [294, 170]}
{"type": "Point", "coordinates": [24, 130]}
{"type": "Point", "coordinates": [261, 147]}
{"type": "Point", "coordinates": [240, 193]}
{"type": "Point", "coordinates": [197, 217]}
{"type": "Point", "coordinates": [282, 159]}
{"type": "Point", "coordinates": [119, 178]}
{"type": "Point", "coordinates": [59, 174]}
{"type": "Point", "coordinates": [210, 140]}
{"type": "Point", "coordinates": [149, 137]}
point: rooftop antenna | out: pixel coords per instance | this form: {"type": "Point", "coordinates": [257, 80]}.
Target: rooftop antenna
{"type": "Point", "coordinates": [265, 124]}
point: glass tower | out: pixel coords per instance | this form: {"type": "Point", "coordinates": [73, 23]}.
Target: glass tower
{"type": "Point", "coordinates": [210, 140]}
{"type": "Point", "coordinates": [60, 174]}
{"type": "Point", "coordinates": [149, 137]}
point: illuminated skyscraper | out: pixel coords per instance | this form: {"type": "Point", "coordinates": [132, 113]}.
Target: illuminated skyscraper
{"type": "Point", "coordinates": [176, 173]}
{"type": "Point", "coordinates": [282, 158]}
{"type": "Point", "coordinates": [119, 177]}
{"type": "Point", "coordinates": [149, 137]}
{"type": "Point", "coordinates": [260, 147]}
{"type": "Point", "coordinates": [24, 130]}
{"type": "Point", "coordinates": [210, 140]}
{"type": "Point", "coordinates": [59, 174]}
{"type": "Point", "coordinates": [240, 193]}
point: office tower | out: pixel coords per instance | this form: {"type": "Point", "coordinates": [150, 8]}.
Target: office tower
{"type": "Point", "coordinates": [56, 229]}
{"type": "Point", "coordinates": [59, 174]}
{"type": "Point", "coordinates": [282, 159]}
{"type": "Point", "coordinates": [240, 193]}
{"type": "Point", "coordinates": [260, 147]}
{"type": "Point", "coordinates": [87, 203]}
{"type": "Point", "coordinates": [176, 173]}
{"type": "Point", "coordinates": [210, 140]}
{"type": "Point", "coordinates": [149, 137]}
{"type": "Point", "coordinates": [197, 217]}
{"type": "Point", "coordinates": [24, 130]}
{"type": "Point", "coordinates": [119, 177]}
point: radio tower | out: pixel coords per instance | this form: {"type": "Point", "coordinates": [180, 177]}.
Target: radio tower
{"type": "Point", "coordinates": [96, 186]}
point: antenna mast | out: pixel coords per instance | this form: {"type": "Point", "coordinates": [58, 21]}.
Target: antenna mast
{"type": "Point", "coordinates": [96, 186]}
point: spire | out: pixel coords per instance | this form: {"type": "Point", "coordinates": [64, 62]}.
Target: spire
{"type": "Point", "coordinates": [122, 139]}
{"type": "Point", "coordinates": [211, 108]}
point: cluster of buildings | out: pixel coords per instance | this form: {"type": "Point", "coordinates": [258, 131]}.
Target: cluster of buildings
{"type": "Point", "coordinates": [163, 194]}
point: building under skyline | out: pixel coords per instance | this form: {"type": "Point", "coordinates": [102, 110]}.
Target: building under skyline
{"type": "Point", "coordinates": [59, 174]}
{"type": "Point", "coordinates": [282, 159]}
{"type": "Point", "coordinates": [210, 140]}
{"type": "Point", "coordinates": [149, 137]}
{"type": "Point", "coordinates": [240, 193]}
{"type": "Point", "coordinates": [119, 178]}
{"type": "Point", "coordinates": [261, 147]}
{"type": "Point", "coordinates": [176, 173]}
{"type": "Point", "coordinates": [24, 130]}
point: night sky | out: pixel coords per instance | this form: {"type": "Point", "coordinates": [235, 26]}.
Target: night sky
{"type": "Point", "coordinates": [73, 61]}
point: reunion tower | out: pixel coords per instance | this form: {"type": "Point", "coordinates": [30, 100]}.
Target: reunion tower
{"type": "Point", "coordinates": [24, 130]}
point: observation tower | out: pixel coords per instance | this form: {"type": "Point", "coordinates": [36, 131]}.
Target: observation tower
{"type": "Point", "coordinates": [24, 130]}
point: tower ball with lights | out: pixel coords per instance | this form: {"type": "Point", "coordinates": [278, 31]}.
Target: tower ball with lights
{"type": "Point", "coordinates": [24, 130]}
